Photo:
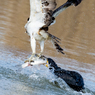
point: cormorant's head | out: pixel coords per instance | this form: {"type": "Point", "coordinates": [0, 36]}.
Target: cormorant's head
{"type": "Point", "coordinates": [51, 64]}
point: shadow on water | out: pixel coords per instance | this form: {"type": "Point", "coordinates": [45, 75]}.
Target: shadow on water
{"type": "Point", "coordinates": [76, 29]}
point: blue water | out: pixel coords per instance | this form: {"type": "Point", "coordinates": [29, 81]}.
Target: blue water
{"type": "Point", "coordinates": [76, 28]}
{"type": "Point", "coordinates": [37, 80]}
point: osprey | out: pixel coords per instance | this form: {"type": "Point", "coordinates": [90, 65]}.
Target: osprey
{"type": "Point", "coordinates": [42, 15]}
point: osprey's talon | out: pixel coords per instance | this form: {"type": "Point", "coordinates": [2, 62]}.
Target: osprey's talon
{"type": "Point", "coordinates": [26, 61]}
{"type": "Point", "coordinates": [40, 55]}
{"type": "Point", "coordinates": [32, 57]}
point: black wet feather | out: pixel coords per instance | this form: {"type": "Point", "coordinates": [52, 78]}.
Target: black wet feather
{"type": "Point", "coordinates": [72, 78]}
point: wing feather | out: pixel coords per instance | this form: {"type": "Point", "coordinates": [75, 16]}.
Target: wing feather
{"type": "Point", "coordinates": [57, 46]}
{"type": "Point", "coordinates": [65, 6]}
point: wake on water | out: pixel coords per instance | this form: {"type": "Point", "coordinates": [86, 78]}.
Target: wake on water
{"type": "Point", "coordinates": [36, 80]}
{"type": "Point", "coordinates": [41, 81]}
{"type": "Point", "coordinates": [48, 80]}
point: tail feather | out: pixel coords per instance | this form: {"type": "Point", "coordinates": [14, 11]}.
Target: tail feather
{"type": "Point", "coordinates": [54, 38]}
{"type": "Point", "coordinates": [55, 42]}
{"type": "Point", "coordinates": [59, 49]}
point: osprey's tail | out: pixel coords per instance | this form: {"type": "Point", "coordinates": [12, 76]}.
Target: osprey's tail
{"type": "Point", "coordinates": [52, 38]}
{"type": "Point", "coordinates": [55, 42]}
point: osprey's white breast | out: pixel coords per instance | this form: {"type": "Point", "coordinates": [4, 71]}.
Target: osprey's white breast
{"type": "Point", "coordinates": [33, 28]}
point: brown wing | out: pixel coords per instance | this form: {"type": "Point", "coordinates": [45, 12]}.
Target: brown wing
{"type": "Point", "coordinates": [48, 6]}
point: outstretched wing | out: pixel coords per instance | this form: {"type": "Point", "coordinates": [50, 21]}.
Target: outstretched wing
{"type": "Point", "coordinates": [65, 6]}
{"type": "Point", "coordinates": [43, 10]}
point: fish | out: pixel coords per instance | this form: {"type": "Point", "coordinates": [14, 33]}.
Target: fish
{"type": "Point", "coordinates": [35, 61]}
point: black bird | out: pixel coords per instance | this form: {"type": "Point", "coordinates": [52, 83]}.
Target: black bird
{"type": "Point", "coordinates": [72, 78]}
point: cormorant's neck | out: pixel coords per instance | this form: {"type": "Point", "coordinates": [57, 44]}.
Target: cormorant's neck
{"type": "Point", "coordinates": [54, 69]}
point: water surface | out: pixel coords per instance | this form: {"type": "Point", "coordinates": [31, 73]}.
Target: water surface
{"type": "Point", "coordinates": [76, 29]}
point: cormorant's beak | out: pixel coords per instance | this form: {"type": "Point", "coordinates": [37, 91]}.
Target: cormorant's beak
{"type": "Point", "coordinates": [47, 64]}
